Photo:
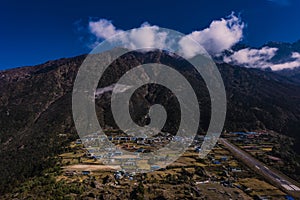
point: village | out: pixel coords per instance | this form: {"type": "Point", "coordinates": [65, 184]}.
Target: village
{"type": "Point", "coordinates": [218, 174]}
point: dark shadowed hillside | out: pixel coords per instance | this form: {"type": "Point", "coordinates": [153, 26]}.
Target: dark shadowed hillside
{"type": "Point", "coordinates": [35, 107]}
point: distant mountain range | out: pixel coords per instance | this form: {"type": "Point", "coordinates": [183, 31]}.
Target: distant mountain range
{"type": "Point", "coordinates": [284, 50]}
{"type": "Point", "coordinates": [35, 106]}
{"type": "Point", "coordinates": [283, 54]}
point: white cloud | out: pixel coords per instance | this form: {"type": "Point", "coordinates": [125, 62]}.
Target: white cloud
{"type": "Point", "coordinates": [146, 36]}
{"type": "Point", "coordinates": [220, 35]}
{"type": "Point", "coordinates": [188, 47]}
{"type": "Point", "coordinates": [288, 65]}
{"type": "Point", "coordinates": [260, 58]}
{"type": "Point", "coordinates": [103, 29]}
{"type": "Point", "coordinates": [257, 58]}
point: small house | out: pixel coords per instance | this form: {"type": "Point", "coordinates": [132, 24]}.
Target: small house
{"type": "Point", "coordinates": [85, 172]}
{"type": "Point", "coordinates": [70, 173]}
{"type": "Point", "coordinates": [78, 141]}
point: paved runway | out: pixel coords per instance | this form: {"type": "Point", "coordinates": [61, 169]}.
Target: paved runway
{"type": "Point", "coordinates": [285, 184]}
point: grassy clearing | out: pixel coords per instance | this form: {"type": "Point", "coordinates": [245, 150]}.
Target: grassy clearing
{"type": "Point", "coordinates": [259, 187]}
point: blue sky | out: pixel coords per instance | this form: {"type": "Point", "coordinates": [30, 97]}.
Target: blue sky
{"type": "Point", "coordinates": [33, 32]}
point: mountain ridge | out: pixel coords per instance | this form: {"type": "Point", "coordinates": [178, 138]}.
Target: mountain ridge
{"type": "Point", "coordinates": [36, 107]}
